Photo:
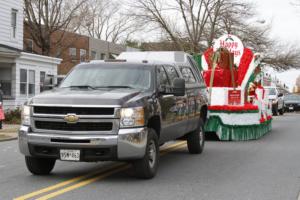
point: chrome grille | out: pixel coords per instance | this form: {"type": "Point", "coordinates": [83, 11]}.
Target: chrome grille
{"type": "Point", "coordinates": [80, 126]}
{"type": "Point", "coordinates": [75, 110]}
{"type": "Point", "coordinates": [90, 120]}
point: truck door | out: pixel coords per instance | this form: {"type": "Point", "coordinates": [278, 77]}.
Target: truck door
{"type": "Point", "coordinates": [167, 104]}
{"type": "Point", "coordinates": [193, 91]}
{"type": "Point", "coordinates": [180, 122]}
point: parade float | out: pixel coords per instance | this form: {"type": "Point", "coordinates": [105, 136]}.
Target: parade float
{"type": "Point", "coordinates": [239, 108]}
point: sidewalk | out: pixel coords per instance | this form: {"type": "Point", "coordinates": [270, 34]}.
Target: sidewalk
{"type": "Point", "coordinates": [9, 132]}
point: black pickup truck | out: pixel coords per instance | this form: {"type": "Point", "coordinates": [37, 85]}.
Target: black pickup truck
{"type": "Point", "coordinates": [114, 111]}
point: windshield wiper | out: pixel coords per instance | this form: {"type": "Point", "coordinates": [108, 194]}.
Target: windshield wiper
{"type": "Point", "coordinates": [82, 86]}
{"type": "Point", "coordinates": [116, 86]}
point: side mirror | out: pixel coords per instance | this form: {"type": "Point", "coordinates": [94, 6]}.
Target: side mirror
{"type": "Point", "coordinates": [179, 87]}
{"type": "Point", "coordinates": [280, 95]}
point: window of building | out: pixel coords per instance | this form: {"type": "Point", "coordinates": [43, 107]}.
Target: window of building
{"type": "Point", "coordinates": [6, 88]}
{"type": "Point", "coordinates": [31, 82]}
{"type": "Point", "coordinates": [42, 80]}
{"type": "Point", "coordinates": [14, 13]}
{"type": "Point", "coordinates": [82, 55]}
{"type": "Point", "coordinates": [93, 55]}
{"type": "Point", "coordinates": [23, 81]}
{"type": "Point", "coordinates": [6, 81]}
{"type": "Point", "coordinates": [72, 53]}
{"type": "Point", "coordinates": [102, 56]}
{"type": "Point", "coordinates": [58, 52]}
{"type": "Point", "coordinates": [188, 75]}
{"type": "Point", "coordinates": [29, 45]}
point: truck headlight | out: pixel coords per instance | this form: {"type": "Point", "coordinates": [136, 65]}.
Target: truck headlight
{"type": "Point", "coordinates": [132, 117]}
{"type": "Point", "coordinates": [274, 101]}
{"type": "Point", "coordinates": [26, 115]}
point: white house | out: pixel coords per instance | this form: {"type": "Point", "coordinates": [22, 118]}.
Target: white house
{"type": "Point", "coordinates": [21, 74]}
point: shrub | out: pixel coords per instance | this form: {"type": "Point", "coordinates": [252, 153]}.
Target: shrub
{"type": "Point", "coordinates": [13, 116]}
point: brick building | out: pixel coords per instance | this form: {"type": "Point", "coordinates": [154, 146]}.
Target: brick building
{"type": "Point", "coordinates": [73, 48]}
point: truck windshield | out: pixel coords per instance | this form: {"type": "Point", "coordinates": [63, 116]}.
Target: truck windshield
{"type": "Point", "coordinates": [292, 98]}
{"type": "Point", "coordinates": [272, 91]}
{"type": "Point", "coordinates": [96, 77]}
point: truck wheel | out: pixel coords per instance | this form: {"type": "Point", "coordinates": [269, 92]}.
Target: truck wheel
{"type": "Point", "coordinates": [196, 139]}
{"type": "Point", "coordinates": [146, 167]}
{"type": "Point", "coordinates": [281, 111]}
{"type": "Point", "coordinates": [1, 125]}
{"type": "Point", "coordinates": [275, 110]}
{"type": "Point", "coordinates": [39, 166]}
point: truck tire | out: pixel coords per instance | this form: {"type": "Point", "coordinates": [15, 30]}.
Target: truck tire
{"type": "Point", "coordinates": [196, 139]}
{"type": "Point", "coordinates": [275, 110]}
{"type": "Point", "coordinates": [1, 125]}
{"type": "Point", "coordinates": [39, 166]}
{"type": "Point", "coordinates": [146, 167]}
{"type": "Point", "coordinates": [281, 111]}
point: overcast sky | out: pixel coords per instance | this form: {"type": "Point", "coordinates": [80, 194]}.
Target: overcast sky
{"type": "Point", "coordinates": [284, 16]}
{"type": "Point", "coordinates": [285, 19]}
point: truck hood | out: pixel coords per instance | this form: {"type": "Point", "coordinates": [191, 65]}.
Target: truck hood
{"type": "Point", "coordinates": [291, 102]}
{"type": "Point", "coordinates": [71, 96]}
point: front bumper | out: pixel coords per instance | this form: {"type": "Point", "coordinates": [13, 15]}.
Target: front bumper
{"type": "Point", "coordinates": [292, 107]}
{"type": "Point", "coordinates": [127, 144]}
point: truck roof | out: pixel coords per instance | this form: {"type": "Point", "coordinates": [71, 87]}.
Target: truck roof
{"type": "Point", "coordinates": [167, 57]}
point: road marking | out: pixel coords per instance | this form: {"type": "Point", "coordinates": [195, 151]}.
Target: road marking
{"type": "Point", "coordinates": [64, 183]}
{"type": "Point", "coordinates": [82, 183]}
{"type": "Point", "coordinates": [101, 172]}
{"type": "Point", "coordinates": [94, 179]}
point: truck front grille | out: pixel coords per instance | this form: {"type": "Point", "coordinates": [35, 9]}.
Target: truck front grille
{"type": "Point", "coordinates": [80, 126]}
{"type": "Point", "coordinates": [74, 110]}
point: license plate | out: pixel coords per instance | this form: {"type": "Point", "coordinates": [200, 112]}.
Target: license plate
{"type": "Point", "coordinates": [71, 155]}
{"type": "Point", "coordinates": [291, 108]}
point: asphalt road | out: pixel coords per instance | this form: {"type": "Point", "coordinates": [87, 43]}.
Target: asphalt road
{"type": "Point", "coordinates": [266, 169]}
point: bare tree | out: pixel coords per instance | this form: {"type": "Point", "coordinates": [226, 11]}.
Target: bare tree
{"type": "Point", "coordinates": [283, 57]}
{"type": "Point", "coordinates": [104, 20]}
{"type": "Point", "coordinates": [198, 22]}
{"type": "Point", "coordinates": [45, 17]}
{"type": "Point", "coordinates": [193, 25]}
{"type": "Point", "coordinates": [183, 21]}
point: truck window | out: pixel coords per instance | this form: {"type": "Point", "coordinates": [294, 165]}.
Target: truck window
{"type": "Point", "coordinates": [188, 75]}
{"type": "Point", "coordinates": [171, 72]}
{"type": "Point", "coordinates": [162, 78]}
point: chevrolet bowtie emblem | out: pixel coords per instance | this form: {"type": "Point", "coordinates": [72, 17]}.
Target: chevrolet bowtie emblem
{"type": "Point", "coordinates": [71, 118]}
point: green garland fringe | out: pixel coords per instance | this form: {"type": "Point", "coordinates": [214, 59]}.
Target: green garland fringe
{"type": "Point", "coordinates": [237, 132]}
{"type": "Point", "coordinates": [235, 111]}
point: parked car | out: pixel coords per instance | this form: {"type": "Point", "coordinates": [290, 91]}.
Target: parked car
{"type": "Point", "coordinates": [1, 110]}
{"type": "Point", "coordinates": [292, 102]}
{"type": "Point", "coordinates": [277, 100]}
{"type": "Point", "coordinates": [114, 110]}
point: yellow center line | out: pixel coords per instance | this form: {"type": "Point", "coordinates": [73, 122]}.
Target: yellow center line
{"type": "Point", "coordinates": [94, 179]}
{"type": "Point", "coordinates": [79, 178]}
{"type": "Point", "coordinates": [83, 183]}
{"type": "Point", "coordinates": [64, 183]}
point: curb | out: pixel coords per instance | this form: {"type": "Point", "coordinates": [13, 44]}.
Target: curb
{"type": "Point", "coordinates": [8, 139]}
